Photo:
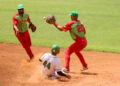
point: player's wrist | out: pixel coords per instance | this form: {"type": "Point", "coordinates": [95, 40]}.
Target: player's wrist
{"type": "Point", "coordinates": [30, 24]}
{"type": "Point", "coordinates": [55, 24]}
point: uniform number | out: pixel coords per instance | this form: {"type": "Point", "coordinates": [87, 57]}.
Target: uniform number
{"type": "Point", "coordinates": [80, 28]}
{"type": "Point", "coordinates": [46, 64]}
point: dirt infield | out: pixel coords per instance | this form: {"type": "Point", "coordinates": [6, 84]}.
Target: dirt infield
{"type": "Point", "coordinates": [104, 68]}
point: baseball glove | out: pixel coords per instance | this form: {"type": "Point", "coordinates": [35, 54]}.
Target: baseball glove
{"type": "Point", "coordinates": [32, 27]}
{"type": "Point", "coordinates": [50, 19]}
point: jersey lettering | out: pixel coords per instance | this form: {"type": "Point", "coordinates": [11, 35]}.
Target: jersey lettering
{"type": "Point", "coordinates": [77, 29]}
{"type": "Point", "coordinates": [80, 28]}
{"type": "Point", "coordinates": [46, 64]}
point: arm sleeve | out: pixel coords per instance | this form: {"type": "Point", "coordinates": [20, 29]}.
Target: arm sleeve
{"type": "Point", "coordinates": [14, 20]}
{"type": "Point", "coordinates": [29, 21]}
{"type": "Point", "coordinates": [67, 27]}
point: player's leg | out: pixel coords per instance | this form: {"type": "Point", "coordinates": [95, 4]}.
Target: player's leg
{"type": "Point", "coordinates": [81, 58]}
{"type": "Point", "coordinates": [28, 44]}
{"type": "Point", "coordinates": [28, 39]}
{"type": "Point", "coordinates": [81, 45]}
{"type": "Point", "coordinates": [68, 52]}
{"type": "Point", "coordinates": [29, 52]}
{"type": "Point", "coordinates": [22, 40]}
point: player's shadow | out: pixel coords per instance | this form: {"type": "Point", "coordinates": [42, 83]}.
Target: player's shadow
{"type": "Point", "coordinates": [63, 80]}
{"type": "Point", "coordinates": [88, 73]}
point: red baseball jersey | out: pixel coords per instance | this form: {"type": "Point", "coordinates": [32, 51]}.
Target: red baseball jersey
{"type": "Point", "coordinates": [21, 22]}
{"type": "Point", "coordinates": [76, 29]}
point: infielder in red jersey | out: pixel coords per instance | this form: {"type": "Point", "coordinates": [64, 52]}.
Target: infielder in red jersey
{"type": "Point", "coordinates": [20, 20]}
{"type": "Point", "coordinates": [77, 32]}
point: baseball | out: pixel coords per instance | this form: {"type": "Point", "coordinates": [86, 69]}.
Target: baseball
{"type": "Point", "coordinates": [44, 18]}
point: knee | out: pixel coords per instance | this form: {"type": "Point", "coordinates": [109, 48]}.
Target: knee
{"type": "Point", "coordinates": [68, 53]}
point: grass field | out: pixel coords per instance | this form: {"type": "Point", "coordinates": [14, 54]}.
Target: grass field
{"type": "Point", "coordinates": [100, 17]}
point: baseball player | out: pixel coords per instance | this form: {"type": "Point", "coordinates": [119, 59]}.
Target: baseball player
{"type": "Point", "coordinates": [20, 20]}
{"type": "Point", "coordinates": [51, 67]}
{"type": "Point", "coordinates": [77, 32]}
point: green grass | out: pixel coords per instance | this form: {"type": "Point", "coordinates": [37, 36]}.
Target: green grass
{"type": "Point", "coordinates": [100, 17]}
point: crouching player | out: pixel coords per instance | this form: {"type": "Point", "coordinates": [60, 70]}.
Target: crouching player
{"type": "Point", "coordinates": [51, 66]}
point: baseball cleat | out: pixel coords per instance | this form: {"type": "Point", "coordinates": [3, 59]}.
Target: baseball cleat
{"type": "Point", "coordinates": [31, 60]}
{"type": "Point", "coordinates": [65, 70]}
{"type": "Point", "coordinates": [84, 68]}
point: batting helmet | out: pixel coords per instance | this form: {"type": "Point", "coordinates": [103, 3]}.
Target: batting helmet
{"type": "Point", "coordinates": [55, 49]}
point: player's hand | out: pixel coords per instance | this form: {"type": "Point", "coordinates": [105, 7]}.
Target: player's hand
{"type": "Point", "coordinates": [16, 30]}
{"type": "Point", "coordinates": [50, 19]}
{"type": "Point", "coordinates": [17, 33]}
{"type": "Point", "coordinates": [52, 23]}
{"type": "Point", "coordinates": [33, 27]}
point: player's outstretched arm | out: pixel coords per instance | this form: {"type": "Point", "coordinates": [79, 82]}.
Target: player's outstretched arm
{"type": "Point", "coordinates": [52, 20]}
{"type": "Point", "coordinates": [58, 27]}
{"type": "Point", "coordinates": [15, 25]}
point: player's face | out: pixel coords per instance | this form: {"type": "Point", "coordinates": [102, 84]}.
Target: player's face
{"type": "Point", "coordinates": [21, 12]}
{"type": "Point", "coordinates": [73, 18]}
